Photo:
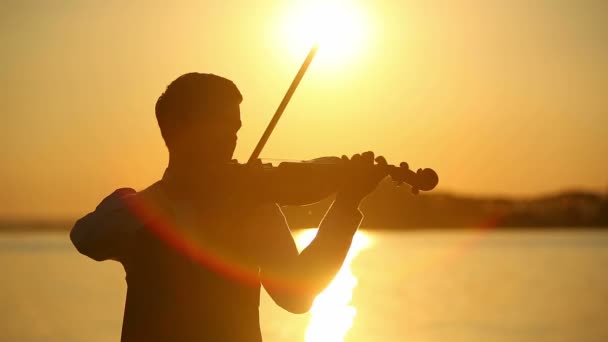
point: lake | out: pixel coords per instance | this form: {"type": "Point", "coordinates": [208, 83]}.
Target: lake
{"type": "Point", "coordinates": [469, 285]}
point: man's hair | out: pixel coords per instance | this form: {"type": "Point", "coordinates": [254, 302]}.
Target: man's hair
{"type": "Point", "coordinates": [190, 95]}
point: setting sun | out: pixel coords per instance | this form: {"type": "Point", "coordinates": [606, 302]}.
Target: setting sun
{"type": "Point", "coordinates": [341, 28]}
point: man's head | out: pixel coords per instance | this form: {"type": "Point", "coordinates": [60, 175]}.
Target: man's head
{"type": "Point", "coordinates": [199, 117]}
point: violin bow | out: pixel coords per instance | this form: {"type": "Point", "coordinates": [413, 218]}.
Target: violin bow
{"type": "Point", "coordinates": [428, 178]}
{"type": "Point", "coordinates": [277, 115]}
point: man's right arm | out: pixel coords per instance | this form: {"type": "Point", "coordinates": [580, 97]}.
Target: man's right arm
{"type": "Point", "coordinates": [294, 279]}
{"type": "Point", "coordinates": [104, 233]}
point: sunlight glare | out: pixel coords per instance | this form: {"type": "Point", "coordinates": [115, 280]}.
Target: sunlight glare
{"type": "Point", "coordinates": [332, 314]}
{"type": "Point", "coordinates": [338, 26]}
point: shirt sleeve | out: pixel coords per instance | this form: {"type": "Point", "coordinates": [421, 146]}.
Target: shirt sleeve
{"type": "Point", "coordinates": [103, 233]}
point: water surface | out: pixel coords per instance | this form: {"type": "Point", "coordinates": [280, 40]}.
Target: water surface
{"type": "Point", "coordinates": [415, 286]}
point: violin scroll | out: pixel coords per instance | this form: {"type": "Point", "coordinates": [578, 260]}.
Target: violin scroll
{"type": "Point", "coordinates": [423, 179]}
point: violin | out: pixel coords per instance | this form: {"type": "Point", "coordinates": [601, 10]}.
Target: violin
{"type": "Point", "coordinates": [307, 182]}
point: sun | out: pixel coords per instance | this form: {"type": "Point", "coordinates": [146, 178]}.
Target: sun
{"type": "Point", "coordinates": [339, 27]}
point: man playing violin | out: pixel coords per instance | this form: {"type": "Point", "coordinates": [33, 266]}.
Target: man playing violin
{"type": "Point", "coordinates": [195, 249]}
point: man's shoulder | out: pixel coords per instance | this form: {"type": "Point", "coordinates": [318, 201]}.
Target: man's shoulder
{"type": "Point", "coordinates": [116, 199]}
{"type": "Point", "coordinates": [126, 205]}
{"type": "Point", "coordinates": [153, 192]}
{"type": "Point", "coordinates": [125, 196]}
{"type": "Point", "coordinates": [152, 200]}
{"type": "Point", "coordinates": [103, 233]}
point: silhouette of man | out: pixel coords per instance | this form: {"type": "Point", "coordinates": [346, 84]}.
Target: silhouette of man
{"type": "Point", "coordinates": [195, 252]}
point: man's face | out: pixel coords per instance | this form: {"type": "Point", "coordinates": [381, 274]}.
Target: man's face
{"type": "Point", "coordinates": [214, 140]}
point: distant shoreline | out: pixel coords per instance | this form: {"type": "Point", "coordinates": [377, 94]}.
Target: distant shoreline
{"type": "Point", "coordinates": [396, 209]}
{"type": "Point", "coordinates": [34, 226]}
{"type": "Point", "coordinates": [26, 227]}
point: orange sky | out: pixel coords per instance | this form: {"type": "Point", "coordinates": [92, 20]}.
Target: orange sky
{"type": "Point", "coordinates": [500, 97]}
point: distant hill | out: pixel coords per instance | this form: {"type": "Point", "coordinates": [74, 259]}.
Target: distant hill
{"type": "Point", "coordinates": [390, 207]}
{"type": "Point", "coordinates": [395, 208]}
{"type": "Point", "coordinates": [14, 225]}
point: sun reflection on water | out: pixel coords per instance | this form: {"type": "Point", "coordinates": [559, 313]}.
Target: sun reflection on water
{"type": "Point", "coordinates": [332, 314]}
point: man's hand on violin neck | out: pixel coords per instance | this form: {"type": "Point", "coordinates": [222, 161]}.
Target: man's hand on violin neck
{"type": "Point", "coordinates": [361, 177]}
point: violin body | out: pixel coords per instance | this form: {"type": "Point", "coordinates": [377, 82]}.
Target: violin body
{"type": "Point", "coordinates": [308, 182]}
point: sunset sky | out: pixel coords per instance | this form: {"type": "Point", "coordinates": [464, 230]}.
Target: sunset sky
{"type": "Point", "coordinates": [498, 96]}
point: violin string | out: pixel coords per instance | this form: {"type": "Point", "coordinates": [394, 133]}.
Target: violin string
{"type": "Point", "coordinates": [296, 161]}
{"type": "Point", "coordinates": [281, 160]}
